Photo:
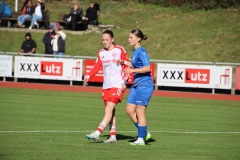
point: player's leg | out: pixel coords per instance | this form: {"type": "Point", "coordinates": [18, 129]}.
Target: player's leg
{"type": "Point", "coordinates": [106, 119]}
{"type": "Point", "coordinates": [109, 115]}
{"type": "Point", "coordinates": [144, 94]}
{"type": "Point", "coordinates": [115, 96]}
{"type": "Point", "coordinates": [131, 106]}
{"type": "Point", "coordinates": [112, 125]}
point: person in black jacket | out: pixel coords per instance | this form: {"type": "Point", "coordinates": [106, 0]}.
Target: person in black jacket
{"type": "Point", "coordinates": [91, 15]}
{"type": "Point", "coordinates": [48, 38]}
{"type": "Point", "coordinates": [75, 15]}
{"type": "Point", "coordinates": [29, 45]}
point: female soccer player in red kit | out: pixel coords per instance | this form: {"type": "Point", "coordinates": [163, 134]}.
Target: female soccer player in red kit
{"type": "Point", "coordinates": [113, 84]}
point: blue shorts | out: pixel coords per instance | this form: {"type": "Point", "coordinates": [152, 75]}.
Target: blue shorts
{"type": "Point", "coordinates": [141, 94]}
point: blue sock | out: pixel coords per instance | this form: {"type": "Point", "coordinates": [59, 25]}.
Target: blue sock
{"type": "Point", "coordinates": [142, 131]}
{"type": "Point", "coordinates": [136, 124]}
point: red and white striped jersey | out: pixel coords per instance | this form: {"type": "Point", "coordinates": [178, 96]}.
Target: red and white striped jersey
{"type": "Point", "coordinates": [113, 75]}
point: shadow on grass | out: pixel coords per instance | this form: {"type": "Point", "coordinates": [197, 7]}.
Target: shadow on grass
{"type": "Point", "coordinates": [131, 138]}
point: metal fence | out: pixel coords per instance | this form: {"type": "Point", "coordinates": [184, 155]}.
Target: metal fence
{"type": "Point", "coordinates": [152, 60]}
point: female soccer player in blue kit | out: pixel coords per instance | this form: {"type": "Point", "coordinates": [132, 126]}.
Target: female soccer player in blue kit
{"type": "Point", "coordinates": [142, 88]}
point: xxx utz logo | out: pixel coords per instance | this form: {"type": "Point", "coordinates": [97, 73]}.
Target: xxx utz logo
{"type": "Point", "coordinates": [51, 68]}
{"type": "Point", "coordinates": [200, 76]}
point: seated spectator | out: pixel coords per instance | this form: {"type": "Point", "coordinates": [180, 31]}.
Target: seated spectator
{"type": "Point", "coordinates": [58, 44]}
{"type": "Point", "coordinates": [5, 11]}
{"type": "Point", "coordinates": [38, 13]}
{"type": "Point", "coordinates": [91, 15]}
{"type": "Point", "coordinates": [27, 12]}
{"type": "Point", "coordinates": [24, 4]}
{"type": "Point", "coordinates": [75, 15]}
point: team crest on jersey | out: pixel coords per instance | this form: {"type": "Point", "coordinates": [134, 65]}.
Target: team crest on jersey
{"type": "Point", "coordinates": [114, 60]}
{"type": "Point", "coordinates": [114, 54]}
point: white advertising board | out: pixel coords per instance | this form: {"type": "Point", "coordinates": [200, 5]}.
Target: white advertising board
{"type": "Point", "coordinates": [48, 68]}
{"type": "Point", "coordinates": [200, 76]}
{"type": "Point", "coordinates": [5, 66]}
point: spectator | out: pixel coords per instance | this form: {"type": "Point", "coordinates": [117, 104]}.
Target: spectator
{"type": "Point", "coordinates": [75, 15]}
{"type": "Point", "coordinates": [91, 15]}
{"type": "Point", "coordinates": [48, 38]}
{"type": "Point", "coordinates": [24, 4]}
{"type": "Point", "coordinates": [5, 11]}
{"type": "Point", "coordinates": [38, 13]}
{"type": "Point", "coordinates": [27, 12]}
{"type": "Point", "coordinates": [58, 44]}
{"type": "Point", "coordinates": [29, 45]}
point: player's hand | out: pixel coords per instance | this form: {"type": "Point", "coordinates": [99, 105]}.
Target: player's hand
{"type": "Point", "coordinates": [120, 62]}
{"type": "Point", "coordinates": [86, 78]}
{"type": "Point", "coordinates": [128, 70]}
{"type": "Point", "coordinates": [124, 87]}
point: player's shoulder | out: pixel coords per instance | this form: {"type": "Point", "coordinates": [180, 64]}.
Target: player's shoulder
{"type": "Point", "coordinates": [120, 47]}
{"type": "Point", "coordinates": [142, 50]}
{"type": "Point", "coordinates": [101, 50]}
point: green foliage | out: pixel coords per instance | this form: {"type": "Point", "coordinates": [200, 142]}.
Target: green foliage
{"type": "Point", "coordinates": [172, 34]}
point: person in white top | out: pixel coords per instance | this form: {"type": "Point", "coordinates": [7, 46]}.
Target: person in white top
{"type": "Point", "coordinates": [38, 14]}
{"type": "Point", "coordinates": [113, 85]}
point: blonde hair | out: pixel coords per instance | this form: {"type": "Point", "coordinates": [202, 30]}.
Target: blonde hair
{"type": "Point", "coordinates": [77, 4]}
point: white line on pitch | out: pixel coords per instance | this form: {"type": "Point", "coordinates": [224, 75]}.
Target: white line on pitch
{"type": "Point", "coordinates": [176, 132]}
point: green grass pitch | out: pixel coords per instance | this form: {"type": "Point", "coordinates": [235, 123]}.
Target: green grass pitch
{"type": "Point", "coordinates": [39, 124]}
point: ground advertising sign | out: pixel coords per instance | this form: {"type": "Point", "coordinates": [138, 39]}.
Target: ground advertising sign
{"type": "Point", "coordinates": [5, 66]}
{"type": "Point", "coordinates": [201, 76]}
{"type": "Point", "coordinates": [99, 76]}
{"type": "Point", "coordinates": [237, 78]}
{"type": "Point", "coordinates": [88, 67]}
{"type": "Point", "coordinates": [48, 68]}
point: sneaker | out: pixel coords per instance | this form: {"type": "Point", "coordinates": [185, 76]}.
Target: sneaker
{"type": "Point", "coordinates": [148, 136]}
{"type": "Point", "coordinates": [21, 26]}
{"type": "Point", "coordinates": [111, 140]}
{"type": "Point", "coordinates": [30, 28]}
{"type": "Point", "coordinates": [93, 136]}
{"type": "Point", "coordinates": [137, 143]}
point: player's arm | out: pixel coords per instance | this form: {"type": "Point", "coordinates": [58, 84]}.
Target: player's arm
{"type": "Point", "coordinates": [124, 60]}
{"type": "Point", "coordinates": [94, 70]}
{"type": "Point", "coordinates": [146, 65]}
{"type": "Point", "coordinates": [125, 76]}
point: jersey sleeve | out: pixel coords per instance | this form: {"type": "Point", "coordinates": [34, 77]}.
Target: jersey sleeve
{"type": "Point", "coordinates": [97, 66]}
{"type": "Point", "coordinates": [144, 58]}
{"type": "Point", "coordinates": [125, 58]}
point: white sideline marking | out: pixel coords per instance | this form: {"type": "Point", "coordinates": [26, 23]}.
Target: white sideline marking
{"type": "Point", "coordinates": [176, 132]}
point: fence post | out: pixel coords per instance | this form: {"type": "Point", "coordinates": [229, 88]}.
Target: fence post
{"type": "Point", "coordinates": [233, 83]}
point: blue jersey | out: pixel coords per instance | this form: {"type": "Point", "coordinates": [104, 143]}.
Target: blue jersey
{"type": "Point", "coordinates": [140, 59]}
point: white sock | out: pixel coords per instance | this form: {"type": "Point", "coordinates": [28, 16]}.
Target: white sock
{"type": "Point", "coordinates": [139, 140]}
{"type": "Point", "coordinates": [97, 132]}
{"type": "Point", "coordinates": [113, 136]}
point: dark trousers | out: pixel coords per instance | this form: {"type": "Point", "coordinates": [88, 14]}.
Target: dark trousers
{"type": "Point", "coordinates": [74, 20]}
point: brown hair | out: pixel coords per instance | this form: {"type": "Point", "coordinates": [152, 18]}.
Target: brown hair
{"type": "Point", "coordinates": [109, 32]}
{"type": "Point", "coordinates": [139, 33]}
